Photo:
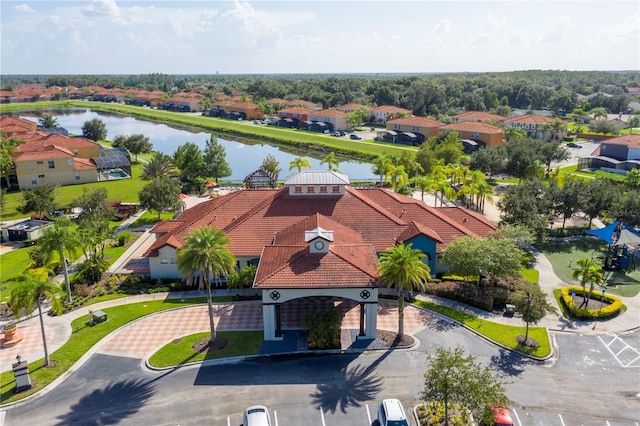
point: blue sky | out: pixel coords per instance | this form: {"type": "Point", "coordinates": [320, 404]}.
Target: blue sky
{"type": "Point", "coordinates": [247, 37]}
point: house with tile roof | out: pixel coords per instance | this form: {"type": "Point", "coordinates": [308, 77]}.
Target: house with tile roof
{"type": "Point", "coordinates": [536, 126]}
{"type": "Point", "coordinates": [381, 114]}
{"type": "Point", "coordinates": [347, 108]}
{"type": "Point", "coordinates": [477, 117]}
{"type": "Point", "coordinates": [410, 130]}
{"type": "Point", "coordinates": [316, 236]}
{"type": "Point", "coordinates": [16, 126]}
{"type": "Point", "coordinates": [475, 134]}
{"type": "Point", "coordinates": [54, 165]}
{"type": "Point", "coordinates": [616, 155]}
{"type": "Point", "coordinates": [332, 119]}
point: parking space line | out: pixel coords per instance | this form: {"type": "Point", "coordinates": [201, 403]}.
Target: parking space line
{"type": "Point", "coordinates": [626, 346]}
{"type": "Point", "coordinates": [517, 418]}
{"type": "Point", "coordinates": [275, 416]}
{"type": "Point", "coordinates": [561, 419]}
{"type": "Point", "coordinates": [228, 421]}
{"type": "Point", "coordinates": [322, 417]}
{"type": "Point", "coordinates": [368, 414]}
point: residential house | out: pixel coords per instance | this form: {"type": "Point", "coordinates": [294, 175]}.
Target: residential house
{"type": "Point", "coordinates": [317, 236]}
{"type": "Point", "coordinates": [16, 126]}
{"type": "Point", "coordinates": [536, 126]}
{"type": "Point", "coordinates": [52, 165]}
{"type": "Point", "coordinates": [184, 102]}
{"type": "Point", "coordinates": [78, 146]}
{"type": "Point", "coordinates": [477, 117]}
{"type": "Point", "coordinates": [381, 114]}
{"type": "Point", "coordinates": [347, 108]}
{"type": "Point", "coordinates": [332, 119]}
{"type": "Point", "coordinates": [295, 113]}
{"type": "Point", "coordinates": [474, 134]}
{"type": "Point", "coordinates": [616, 155]}
{"type": "Point", "coordinates": [410, 130]}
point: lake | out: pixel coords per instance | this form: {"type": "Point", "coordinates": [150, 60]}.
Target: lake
{"type": "Point", "coordinates": [243, 156]}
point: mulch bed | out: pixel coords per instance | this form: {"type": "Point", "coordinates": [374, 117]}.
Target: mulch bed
{"type": "Point", "coordinates": [390, 339]}
{"type": "Point", "coordinates": [593, 303]}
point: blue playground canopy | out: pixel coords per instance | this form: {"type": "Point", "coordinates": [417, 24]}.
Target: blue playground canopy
{"type": "Point", "coordinates": [617, 233]}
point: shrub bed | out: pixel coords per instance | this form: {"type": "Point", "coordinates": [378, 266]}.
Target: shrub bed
{"type": "Point", "coordinates": [611, 309]}
{"type": "Point", "coordinates": [432, 414]}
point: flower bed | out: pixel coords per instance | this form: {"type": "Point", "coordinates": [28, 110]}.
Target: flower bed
{"type": "Point", "coordinates": [610, 308]}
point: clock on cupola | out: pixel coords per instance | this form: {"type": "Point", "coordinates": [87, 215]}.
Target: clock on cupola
{"type": "Point", "coordinates": [318, 240]}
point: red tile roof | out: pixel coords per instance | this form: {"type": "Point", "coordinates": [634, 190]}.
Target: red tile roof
{"type": "Point", "coordinates": [390, 109]}
{"type": "Point", "coordinates": [471, 126]}
{"type": "Point", "coordinates": [348, 263]}
{"type": "Point", "coordinates": [477, 116]}
{"type": "Point", "coordinates": [416, 121]}
{"type": "Point", "coordinates": [632, 141]}
{"type": "Point", "coordinates": [44, 153]}
{"type": "Point", "coordinates": [297, 110]}
{"type": "Point", "coordinates": [530, 119]}
{"type": "Point", "coordinates": [328, 113]}
{"type": "Point", "coordinates": [33, 142]}
{"type": "Point", "coordinates": [251, 218]}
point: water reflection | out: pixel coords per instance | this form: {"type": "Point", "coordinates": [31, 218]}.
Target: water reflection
{"type": "Point", "coordinates": [243, 155]}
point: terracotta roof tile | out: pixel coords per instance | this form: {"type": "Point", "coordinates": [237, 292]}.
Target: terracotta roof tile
{"type": "Point", "coordinates": [632, 141]}
{"type": "Point", "coordinates": [477, 116]}
{"type": "Point", "coordinates": [471, 126]}
{"type": "Point", "coordinates": [416, 121]}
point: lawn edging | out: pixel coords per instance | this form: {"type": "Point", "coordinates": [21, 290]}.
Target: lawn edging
{"type": "Point", "coordinates": [443, 316]}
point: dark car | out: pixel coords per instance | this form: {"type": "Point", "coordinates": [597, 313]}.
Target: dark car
{"type": "Point", "coordinates": [574, 145]}
{"type": "Point", "coordinates": [354, 137]}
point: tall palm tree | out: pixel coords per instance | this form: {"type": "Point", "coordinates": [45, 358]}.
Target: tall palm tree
{"type": "Point", "coordinates": [61, 239]}
{"type": "Point", "coordinates": [511, 132]}
{"type": "Point", "coordinates": [160, 165]}
{"type": "Point", "coordinates": [485, 191]}
{"type": "Point", "coordinates": [32, 292]}
{"type": "Point", "coordinates": [381, 166]}
{"type": "Point", "coordinates": [205, 257]}
{"type": "Point", "coordinates": [422, 184]}
{"type": "Point", "coordinates": [331, 161]}
{"type": "Point", "coordinates": [397, 176]}
{"type": "Point", "coordinates": [299, 163]}
{"type": "Point", "coordinates": [402, 268]}
{"type": "Point", "coordinates": [588, 273]}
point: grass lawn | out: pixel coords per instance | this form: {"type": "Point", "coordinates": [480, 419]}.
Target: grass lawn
{"type": "Point", "coordinates": [561, 254]}
{"type": "Point", "coordinates": [530, 275]}
{"type": "Point", "coordinates": [66, 194]}
{"type": "Point", "coordinates": [12, 264]}
{"type": "Point", "coordinates": [83, 337]}
{"type": "Point", "coordinates": [181, 352]}
{"type": "Point", "coordinates": [500, 333]}
{"type": "Point", "coordinates": [150, 218]}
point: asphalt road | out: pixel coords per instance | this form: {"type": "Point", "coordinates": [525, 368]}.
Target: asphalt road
{"type": "Point", "coordinates": [586, 385]}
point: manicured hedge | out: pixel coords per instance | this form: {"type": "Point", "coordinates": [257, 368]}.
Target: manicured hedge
{"type": "Point", "coordinates": [610, 308]}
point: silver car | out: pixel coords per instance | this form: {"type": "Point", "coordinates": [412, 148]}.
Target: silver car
{"type": "Point", "coordinates": [256, 415]}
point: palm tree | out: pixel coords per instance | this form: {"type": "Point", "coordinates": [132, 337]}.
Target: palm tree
{"type": "Point", "coordinates": [397, 176]}
{"type": "Point", "coordinates": [484, 192]}
{"type": "Point", "coordinates": [402, 268]}
{"type": "Point", "coordinates": [331, 161]}
{"type": "Point", "coordinates": [160, 165]}
{"type": "Point", "coordinates": [381, 166]}
{"type": "Point", "coordinates": [512, 132]}
{"type": "Point", "coordinates": [299, 163]}
{"type": "Point", "coordinates": [422, 184]}
{"type": "Point", "coordinates": [33, 291]}
{"type": "Point", "coordinates": [61, 239]}
{"type": "Point", "coordinates": [588, 273]}
{"type": "Point", "coordinates": [205, 257]}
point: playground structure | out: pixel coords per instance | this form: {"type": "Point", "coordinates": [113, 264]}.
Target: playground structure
{"type": "Point", "coordinates": [623, 252]}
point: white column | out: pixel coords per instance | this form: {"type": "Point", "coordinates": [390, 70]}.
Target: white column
{"type": "Point", "coordinates": [269, 321]}
{"type": "Point", "coordinates": [371, 320]}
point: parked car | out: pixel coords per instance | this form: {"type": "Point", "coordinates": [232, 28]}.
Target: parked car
{"type": "Point", "coordinates": [391, 413]}
{"type": "Point", "coordinates": [502, 416]}
{"type": "Point", "coordinates": [336, 133]}
{"type": "Point", "coordinates": [354, 137]}
{"type": "Point", "coordinates": [257, 122]}
{"type": "Point", "coordinates": [574, 145]}
{"type": "Point", "coordinates": [256, 415]}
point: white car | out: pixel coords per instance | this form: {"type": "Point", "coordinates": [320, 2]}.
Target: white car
{"type": "Point", "coordinates": [256, 415]}
{"type": "Point", "coordinates": [391, 413]}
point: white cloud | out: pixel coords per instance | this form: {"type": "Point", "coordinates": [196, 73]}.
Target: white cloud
{"type": "Point", "coordinates": [555, 33]}
{"type": "Point", "coordinates": [23, 8]}
{"type": "Point", "coordinates": [491, 27]}
{"type": "Point", "coordinates": [443, 27]}
{"type": "Point", "coordinates": [102, 8]}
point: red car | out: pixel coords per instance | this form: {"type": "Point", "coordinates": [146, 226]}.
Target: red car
{"type": "Point", "coordinates": [502, 416]}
